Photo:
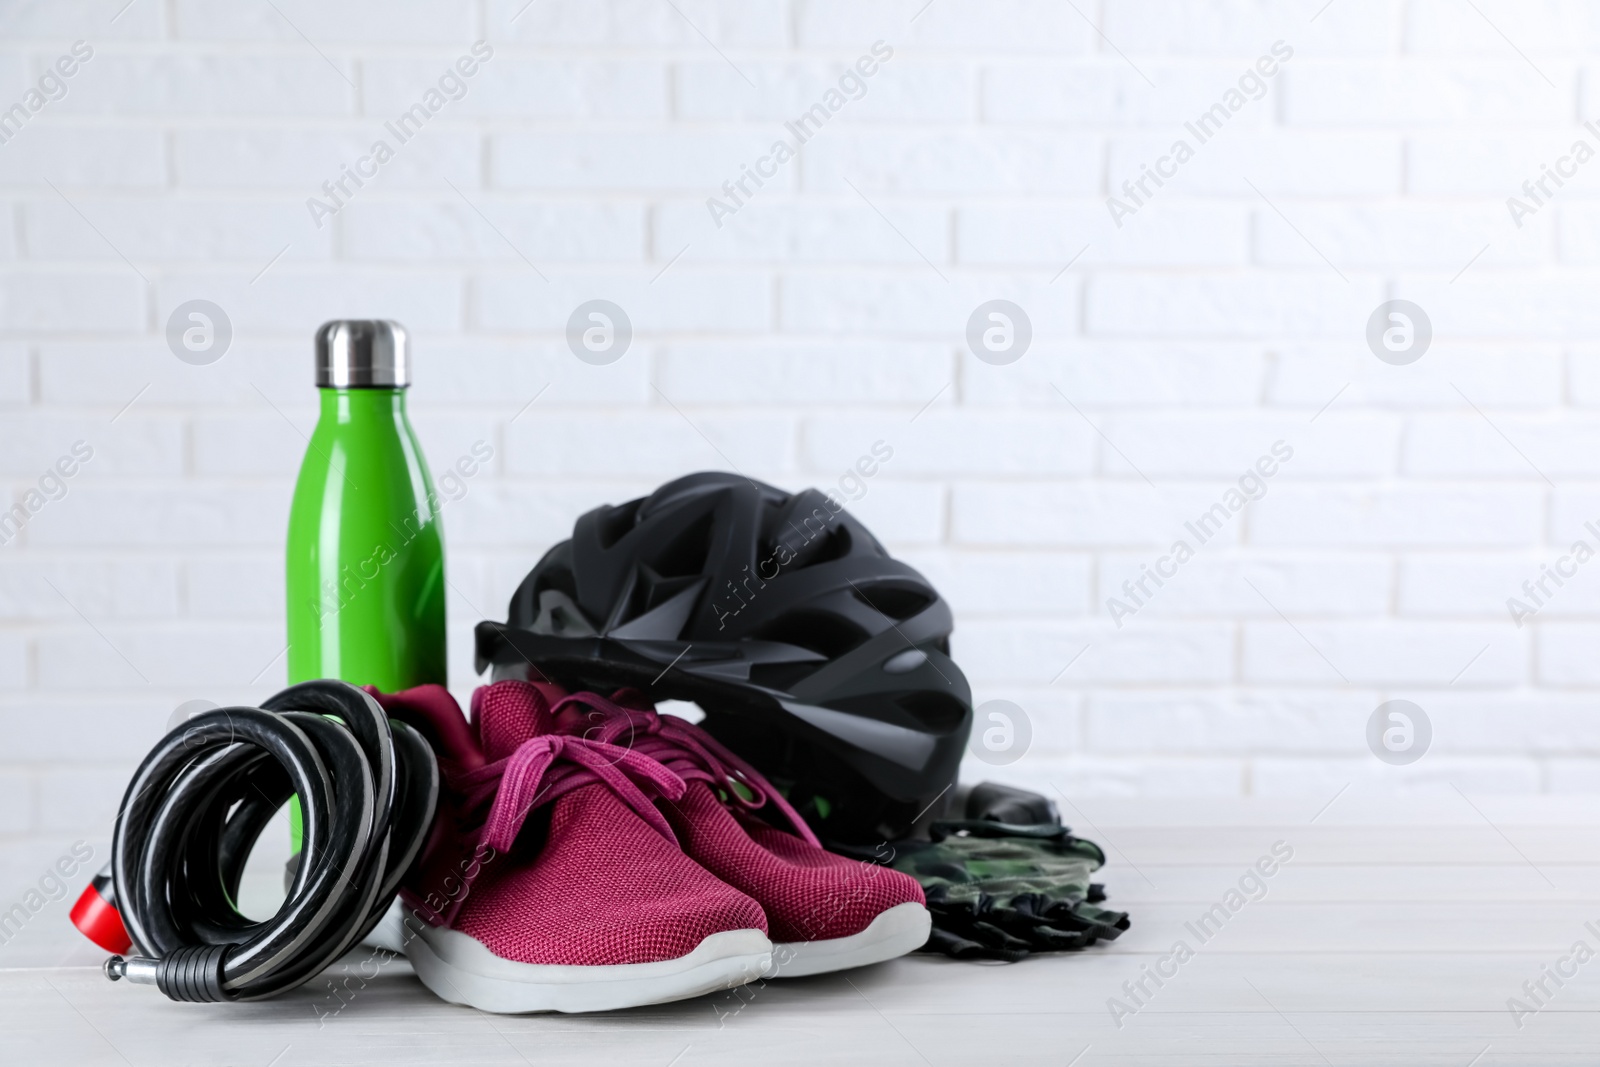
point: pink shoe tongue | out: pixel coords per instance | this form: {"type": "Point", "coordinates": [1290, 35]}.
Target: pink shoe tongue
{"type": "Point", "coordinates": [432, 709]}
{"type": "Point", "coordinates": [511, 712]}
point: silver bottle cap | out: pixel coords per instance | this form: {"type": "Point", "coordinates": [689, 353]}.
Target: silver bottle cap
{"type": "Point", "coordinates": [362, 354]}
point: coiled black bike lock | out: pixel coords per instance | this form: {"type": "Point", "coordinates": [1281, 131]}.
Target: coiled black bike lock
{"type": "Point", "coordinates": [368, 787]}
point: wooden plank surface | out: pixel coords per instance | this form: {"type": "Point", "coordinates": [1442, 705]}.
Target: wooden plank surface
{"type": "Point", "coordinates": [1381, 942]}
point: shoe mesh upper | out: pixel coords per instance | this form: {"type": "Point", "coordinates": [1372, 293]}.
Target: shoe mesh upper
{"type": "Point", "coordinates": [808, 893]}
{"type": "Point", "coordinates": [605, 886]}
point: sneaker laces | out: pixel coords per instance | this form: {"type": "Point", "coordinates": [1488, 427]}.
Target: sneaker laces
{"type": "Point", "coordinates": [543, 769]}
{"type": "Point", "coordinates": [681, 747]}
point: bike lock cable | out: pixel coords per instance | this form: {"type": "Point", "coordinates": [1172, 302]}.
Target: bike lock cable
{"type": "Point", "coordinates": [368, 787]}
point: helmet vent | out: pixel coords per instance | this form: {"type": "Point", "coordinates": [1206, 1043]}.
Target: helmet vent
{"type": "Point", "coordinates": [897, 602]}
{"type": "Point", "coordinates": [815, 631]}
{"type": "Point", "coordinates": [835, 544]}
{"type": "Point", "coordinates": [780, 676]}
{"type": "Point", "coordinates": [561, 616]}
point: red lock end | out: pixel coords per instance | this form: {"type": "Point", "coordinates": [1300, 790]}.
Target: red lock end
{"type": "Point", "coordinates": [96, 916]}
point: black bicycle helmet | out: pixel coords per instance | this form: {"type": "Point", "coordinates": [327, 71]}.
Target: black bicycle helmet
{"type": "Point", "coordinates": [813, 654]}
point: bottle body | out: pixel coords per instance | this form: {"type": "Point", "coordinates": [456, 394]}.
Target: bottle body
{"type": "Point", "coordinates": [365, 566]}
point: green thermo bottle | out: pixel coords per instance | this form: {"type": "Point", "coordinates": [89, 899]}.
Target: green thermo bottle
{"type": "Point", "coordinates": [366, 553]}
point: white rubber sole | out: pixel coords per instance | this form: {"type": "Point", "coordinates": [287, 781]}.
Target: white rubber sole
{"type": "Point", "coordinates": [462, 971]}
{"type": "Point", "coordinates": [390, 933]}
{"type": "Point", "coordinates": [902, 929]}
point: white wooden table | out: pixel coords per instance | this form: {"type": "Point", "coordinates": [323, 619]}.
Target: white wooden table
{"type": "Point", "coordinates": [1395, 935]}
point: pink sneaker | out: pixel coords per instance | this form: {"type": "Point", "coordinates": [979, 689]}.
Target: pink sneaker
{"type": "Point", "coordinates": [604, 912]}
{"type": "Point", "coordinates": [825, 912]}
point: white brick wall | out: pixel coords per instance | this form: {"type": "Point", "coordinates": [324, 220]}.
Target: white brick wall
{"type": "Point", "coordinates": [1225, 315]}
